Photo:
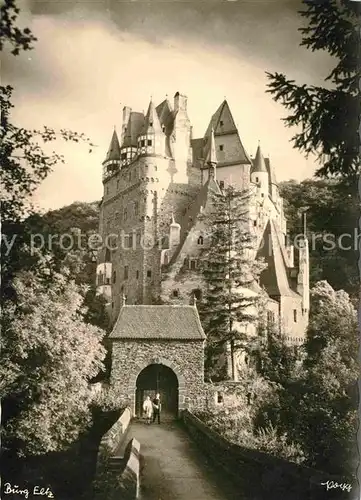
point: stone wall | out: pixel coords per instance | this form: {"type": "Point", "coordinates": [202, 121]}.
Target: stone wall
{"type": "Point", "coordinates": [260, 475]}
{"type": "Point", "coordinates": [185, 358]}
{"type": "Point", "coordinates": [111, 439]}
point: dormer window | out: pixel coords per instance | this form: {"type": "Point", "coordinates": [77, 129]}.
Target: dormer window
{"type": "Point", "coordinates": [221, 147]}
{"type": "Point", "coordinates": [200, 240]}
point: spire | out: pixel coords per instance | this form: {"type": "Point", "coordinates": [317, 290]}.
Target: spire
{"type": "Point", "coordinates": [212, 156]}
{"type": "Point", "coordinates": [114, 148]}
{"type": "Point", "coordinates": [152, 124]}
{"type": "Point", "coordinates": [259, 164]}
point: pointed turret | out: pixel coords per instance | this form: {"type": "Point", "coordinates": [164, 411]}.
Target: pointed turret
{"type": "Point", "coordinates": [151, 139]}
{"type": "Point", "coordinates": [212, 156]}
{"type": "Point", "coordinates": [114, 148]}
{"type": "Point", "coordinates": [259, 165]}
{"type": "Point", "coordinates": [152, 124]}
{"type": "Point", "coordinates": [111, 163]}
{"type": "Point", "coordinates": [259, 173]}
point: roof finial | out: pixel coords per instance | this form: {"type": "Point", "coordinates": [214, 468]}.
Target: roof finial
{"type": "Point", "coordinates": [212, 156]}
{"type": "Point", "coordinates": [124, 299]}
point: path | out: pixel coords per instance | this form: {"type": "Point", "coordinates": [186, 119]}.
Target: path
{"type": "Point", "coordinates": [173, 468]}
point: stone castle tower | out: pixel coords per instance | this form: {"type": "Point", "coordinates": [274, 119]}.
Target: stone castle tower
{"type": "Point", "coordinates": [157, 181]}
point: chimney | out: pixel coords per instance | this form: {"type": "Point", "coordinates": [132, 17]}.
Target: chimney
{"type": "Point", "coordinates": [126, 114]}
{"type": "Point", "coordinates": [180, 102]}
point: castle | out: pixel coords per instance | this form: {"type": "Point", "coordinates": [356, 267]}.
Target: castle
{"type": "Point", "coordinates": [157, 180]}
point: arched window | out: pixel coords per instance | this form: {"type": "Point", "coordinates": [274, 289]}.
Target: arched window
{"type": "Point", "coordinates": [200, 240]}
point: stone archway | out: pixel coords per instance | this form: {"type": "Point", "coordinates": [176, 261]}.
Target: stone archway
{"type": "Point", "coordinates": [157, 378]}
{"type": "Point", "coordinates": [174, 389]}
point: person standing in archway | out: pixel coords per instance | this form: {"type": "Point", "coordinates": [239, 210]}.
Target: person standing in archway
{"type": "Point", "coordinates": [156, 408]}
{"type": "Point", "coordinates": [148, 409]}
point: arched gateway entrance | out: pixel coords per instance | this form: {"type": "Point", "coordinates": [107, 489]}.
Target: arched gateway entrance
{"type": "Point", "coordinates": [157, 378]}
{"type": "Point", "coordinates": [158, 349]}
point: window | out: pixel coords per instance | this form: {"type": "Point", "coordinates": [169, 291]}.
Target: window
{"type": "Point", "coordinates": [221, 184]}
{"type": "Point", "coordinates": [219, 398]}
{"type": "Point", "coordinates": [142, 143]}
{"type": "Point", "coordinates": [100, 278]}
{"type": "Point", "coordinates": [193, 264]}
{"type": "Point", "coordinates": [221, 123]}
{"type": "Point", "coordinates": [112, 305]}
{"type": "Point", "coordinates": [257, 179]}
{"type": "Point", "coordinates": [295, 315]}
{"type": "Point", "coordinates": [137, 274]}
{"type": "Point", "coordinates": [107, 189]}
{"type": "Point", "coordinates": [270, 316]}
{"type": "Point", "coordinates": [126, 271]}
{"type": "Point", "coordinates": [255, 223]}
{"type": "Point", "coordinates": [125, 214]}
{"type": "Point", "coordinates": [221, 147]}
{"type": "Point", "coordinates": [114, 276]}
{"type": "Point", "coordinates": [118, 184]}
{"type": "Point", "coordinates": [262, 195]}
{"type": "Point", "coordinates": [175, 293]}
{"type": "Point", "coordinates": [139, 236]}
{"type": "Point", "coordinates": [149, 273]}
{"type": "Point", "coordinates": [149, 142]}
{"type": "Point", "coordinates": [200, 240]}
{"type": "Point", "coordinates": [107, 281]}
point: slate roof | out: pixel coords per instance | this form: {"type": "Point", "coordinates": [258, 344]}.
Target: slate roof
{"type": "Point", "coordinates": [259, 164]}
{"type": "Point", "coordinates": [274, 278]}
{"type": "Point", "coordinates": [151, 122]}
{"type": "Point", "coordinates": [223, 114]}
{"type": "Point", "coordinates": [114, 148]}
{"type": "Point", "coordinates": [164, 322]}
{"type": "Point", "coordinates": [134, 126]}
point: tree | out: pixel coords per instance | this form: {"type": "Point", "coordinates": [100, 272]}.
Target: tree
{"type": "Point", "coordinates": [229, 272]}
{"type": "Point", "coordinates": [332, 227]}
{"type": "Point", "coordinates": [327, 116]}
{"type": "Point", "coordinates": [276, 361]}
{"type": "Point", "coordinates": [50, 351]}
{"type": "Point", "coordinates": [49, 354]}
{"type": "Point", "coordinates": [320, 413]}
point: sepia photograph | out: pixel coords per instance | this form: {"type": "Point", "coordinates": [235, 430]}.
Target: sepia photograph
{"type": "Point", "coordinates": [180, 240]}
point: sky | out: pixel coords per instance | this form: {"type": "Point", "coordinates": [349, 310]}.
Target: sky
{"type": "Point", "coordinates": [94, 57]}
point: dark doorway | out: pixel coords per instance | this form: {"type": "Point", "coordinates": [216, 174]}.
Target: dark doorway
{"type": "Point", "coordinates": [157, 378]}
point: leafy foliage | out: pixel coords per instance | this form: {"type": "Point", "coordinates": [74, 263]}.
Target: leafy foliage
{"type": "Point", "coordinates": [332, 229]}
{"type": "Point", "coordinates": [10, 33]}
{"type": "Point", "coordinates": [318, 407]}
{"type": "Point", "coordinates": [228, 272]}
{"type": "Point", "coordinates": [328, 118]}
{"type": "Point", "coordinates": [236, 418]}
{"type": "Point", "coordinates": [49, 355]}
